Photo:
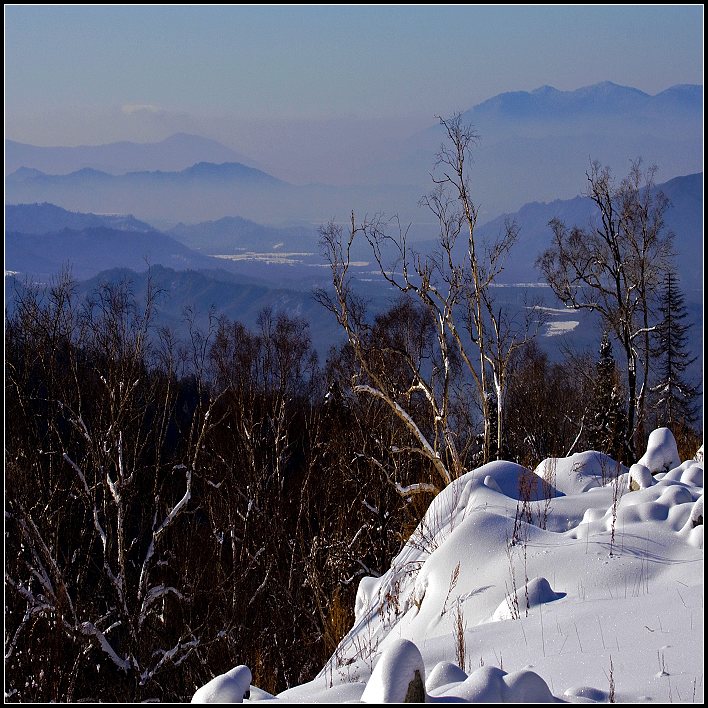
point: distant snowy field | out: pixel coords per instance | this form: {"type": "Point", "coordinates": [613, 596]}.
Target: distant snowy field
{"type": "Point", "coordinates": [581, 581]}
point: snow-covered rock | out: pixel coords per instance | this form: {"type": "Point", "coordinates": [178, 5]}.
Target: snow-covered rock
{"type": "Point", "coordinates": [444, 674]}
{"type": "Point", "coordinates": [398, 677]}
{"type": "Point", "coordinates": [640, 477]}
{"type": "Point", "coordinates": [230, 687]}
{"type": "Point", "coordinates": [662, 452]}
{"type": "Point", "coordinates": [536, 592]}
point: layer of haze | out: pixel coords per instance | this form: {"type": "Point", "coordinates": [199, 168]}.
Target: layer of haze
{"type": "Point", "coordinates": [312, 94]}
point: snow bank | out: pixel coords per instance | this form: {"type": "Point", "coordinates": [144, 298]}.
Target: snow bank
{"type": "Point", "coordinates": [611, 560]}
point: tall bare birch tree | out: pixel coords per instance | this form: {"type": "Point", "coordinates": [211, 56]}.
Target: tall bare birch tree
{"type": "Point", "coordinates": [615, 266]}
{"type": "Point", "coordinates": [473, 339]}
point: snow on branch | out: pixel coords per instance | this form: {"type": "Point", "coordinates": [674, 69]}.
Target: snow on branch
{"type": "Point", "coordinates": [89, 629]}
{"type": "Point", "coordinates": [179, 506]}
{"type": "Point", "coordinates": [154, 594]}
{"type": "Point", "coordinates": [405, 492]}
{"type": "Point", "coordinates": [96, 522]}
{"type": "Point", "coordinates": [169, 655]}
{"type": "Point", "coordinates": [427, 449]}
{"type": "Point", "coordinates": [171, 516]}
{"type": "Point", "coordinates": [417, 488]}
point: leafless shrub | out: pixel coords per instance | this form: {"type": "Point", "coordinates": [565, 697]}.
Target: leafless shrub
{"type": "Point", "coordinates": [548, 484]}
{"type": "Point", "coordinates": [524, 511]}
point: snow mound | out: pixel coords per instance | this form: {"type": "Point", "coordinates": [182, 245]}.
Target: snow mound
{"type": "Point", "coordinates": [580, 472]}
{"type": "Point", "coordinates": [231, 687]}
{"type": "Point", "coordinates": [640, 477]}
{"type": "Point", "coordinates": [690, 472]}
{"type": "Point", "coordinates": [490, 684]}
{"type": "Point", "coordinates": [444, 674]}
{"type": "Point", "coordinates": [536, 592]}
{"type": "Point", "coordinates": [696, 517]}
{"type": "Point", "coordinates": [692, 529]}
{"type": "Point", "coordinates": [512, 480]}
{"type": "Point", "coordinates": [399, 676]}
{"type": "Point", "coordinates": [668, 500]}
{"type": "Point", "coordinates": [364, 594]}
{"type": "Point", "coordinates": [590, 694]}
{"type": "Point", "coordinates": [662, 452]}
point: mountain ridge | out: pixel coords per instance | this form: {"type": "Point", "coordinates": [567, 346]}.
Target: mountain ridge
{"type": "Point", "coordinates": [605, 96]}
{"type": "Point", "coordinates": [175, 152]}
{"type": "Point", "coordinates": [41, 218]}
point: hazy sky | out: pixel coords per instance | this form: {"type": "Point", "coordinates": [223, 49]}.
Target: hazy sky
{"type": "Point", "coordinates": [359, 75]}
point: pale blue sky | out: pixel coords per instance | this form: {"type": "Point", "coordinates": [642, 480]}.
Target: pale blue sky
{"type": "Point", "coordinates": [96, 74]}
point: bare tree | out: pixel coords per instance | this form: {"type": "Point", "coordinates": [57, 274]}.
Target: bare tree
{"type": "Point", "coordinates": [614, 267]}
{"type": "Point", "coordinates": [471, 337]}
{"type": "Point", "coordinates": [178, 505]}
{"type": "Point", "coordinates": [440, 451]}
{"type": "Point", "coordinates": [93, 509]}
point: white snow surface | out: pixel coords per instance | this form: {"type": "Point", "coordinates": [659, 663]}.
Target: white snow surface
{"type": "Point", "coordinates": [599, 598]}
{"type": "Point", "coordinates": [230, 687]}
{"type": "Point", "coordinates": [393, 673]}
{"type": "Point", "coordinates": [662, 454]}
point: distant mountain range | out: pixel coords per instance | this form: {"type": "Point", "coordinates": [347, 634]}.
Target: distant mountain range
{"type": "Point", "coordinates": [192, 194]}
{"type": "Point", "coordinates": [534, 146]}
{"type": "Point", "coordinates": [90, 250]}
{"type": "Point", "coordinates": [172, 154]}
{"type": "Point", "coordinates": [537, 145]}
{"type": "Point", "coordinates": [606, 100]}
{"type": "Point", "coordinates": [201, 192]}
{"type": "Point", "coordinates": [201, 171]}
{"type": "Point", "coordinates": [40, 237]}
{"type": "Point", "coordinates": [47, 218]}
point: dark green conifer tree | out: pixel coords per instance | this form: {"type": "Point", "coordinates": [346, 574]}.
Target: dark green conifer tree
{"type": "Point", "coordinates": [676, 397]}
{"type": "Point", "coordinates": [608, 422]}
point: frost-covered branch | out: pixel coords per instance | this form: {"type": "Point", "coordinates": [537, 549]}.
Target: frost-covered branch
{"type": "Point", "coordinates": [154, 594]}
{"type": "Point", "coordinates": [404, 416]}
{"type": "Point", "coordinates": [90, 630]}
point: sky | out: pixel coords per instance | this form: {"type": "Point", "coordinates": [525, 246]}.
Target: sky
{"type": "Point", "coordinates": [364, 75]}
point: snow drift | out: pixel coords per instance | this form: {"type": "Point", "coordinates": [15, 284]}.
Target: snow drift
{"type": "Point", "coordinates": [581, 581]}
